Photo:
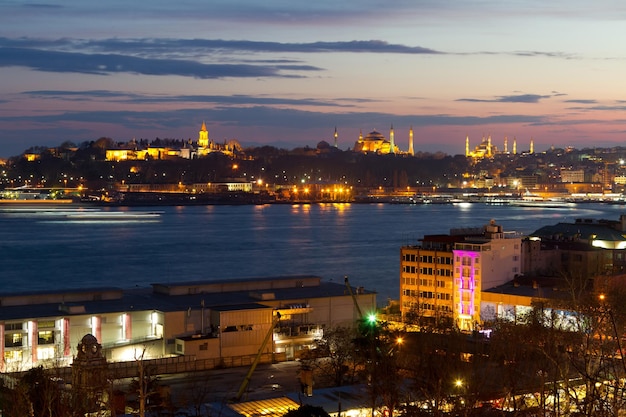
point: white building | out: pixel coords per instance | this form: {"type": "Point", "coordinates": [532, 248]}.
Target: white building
{"type": "Point", "coordinates": [223, 320]}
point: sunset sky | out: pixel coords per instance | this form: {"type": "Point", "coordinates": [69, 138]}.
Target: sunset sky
{"type": "Point", "coordinates": [286, 73]}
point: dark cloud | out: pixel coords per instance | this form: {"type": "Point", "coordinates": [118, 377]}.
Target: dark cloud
{"type": "Point", "coordinates": [104, 64]}
{"type": "Point", "coordinates": [156, 46]}
{"type": "Point", "coordinates": [543, 54]}
{"type": "Point", "coordinates": [521, 98]}
{"type": "Point", "coordinates": [581, 101]}
{"type": "Point", "coordinates": [235, 99]}
{"type": "Point", "coordinates": [264, 116]}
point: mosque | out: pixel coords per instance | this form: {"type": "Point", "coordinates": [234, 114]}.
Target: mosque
{"type": "Point", "coordinates": [487, 150]}
{"type": "Point", "coordinates": [375, 142]}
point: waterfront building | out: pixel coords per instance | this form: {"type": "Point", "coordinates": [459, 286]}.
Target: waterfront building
{"type": "Point", "coordinates": [441, 279]}
{"type": "Point", "coordinates": [222, 322]}
{"type": "Point", "coordinates": [586, 246]}
{"type": "Point", "coordinates": [426, 284]}
{"type": "Point", "coordinates": [589, 254]}
{"type": "Point", "coordinates": [572, 175]}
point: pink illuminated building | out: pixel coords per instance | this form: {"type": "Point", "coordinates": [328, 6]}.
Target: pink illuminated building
{"type": "Point", "coordinates": [442, 278]}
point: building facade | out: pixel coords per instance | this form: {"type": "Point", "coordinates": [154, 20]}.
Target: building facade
{"type": "Point", "coordinates": [441, 279]}
{"type": "Point", "coordinates": [219, 319]}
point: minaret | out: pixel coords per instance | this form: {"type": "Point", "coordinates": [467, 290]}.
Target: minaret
{"type": "Point", "coordinates": [467, 145]}
{"type": "Point", "coordinates": [360, 135]}
{"type": "Point", "coordinates": [514, 146]}
{"type": "Point", "coordinates": [489, 150]}
{"type": "Point", "coordinates": [506, 145]}
{"type": "Point", "coordinates": [411, 152]}
{"type": "Point", "coordinates": [336, 136]}
{"type": "Point", "coordinates": [203, 136]}
{"type": "Point", "coordinates": [392, 145]}
{"type": "Point", "coordinates": [532, 146]}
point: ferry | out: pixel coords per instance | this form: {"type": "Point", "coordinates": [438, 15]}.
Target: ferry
{"type": "Point", "coordinates": [533, 200]}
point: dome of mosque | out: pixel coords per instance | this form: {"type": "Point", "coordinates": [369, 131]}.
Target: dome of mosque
{"type": "Point", "coordinates": [374, 135]}
{"type": "Point", "coordinates": [323, 145]}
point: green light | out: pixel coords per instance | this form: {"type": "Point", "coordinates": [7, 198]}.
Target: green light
{"type": "Point", "coordinates": [371, 318]}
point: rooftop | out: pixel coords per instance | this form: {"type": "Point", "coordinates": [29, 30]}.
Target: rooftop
{"type": "Point", "coordinates": [237, 294]}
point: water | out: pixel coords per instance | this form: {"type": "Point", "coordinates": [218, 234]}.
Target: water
{"type": "Point", "coordinates": [49, 250]}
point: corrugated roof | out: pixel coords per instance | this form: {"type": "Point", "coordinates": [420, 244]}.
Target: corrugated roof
{"type": "Point", "coordinates": [277, 407]}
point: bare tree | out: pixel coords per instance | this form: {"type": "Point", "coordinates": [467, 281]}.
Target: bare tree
{"type": "Point", "coordinates": [334, 359]}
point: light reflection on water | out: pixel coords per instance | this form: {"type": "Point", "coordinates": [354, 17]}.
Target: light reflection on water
{"type": "Point", "coordinates": [216, 242]}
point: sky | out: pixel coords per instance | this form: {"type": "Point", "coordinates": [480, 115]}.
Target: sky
{"type": "Point", "coordinates": [286, 73]}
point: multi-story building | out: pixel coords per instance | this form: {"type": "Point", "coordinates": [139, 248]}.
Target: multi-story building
{"type": "Point", "coordinates": [482, 263]}
{"type": "Point", "coordinates": [585, 247]}
{"type": "Point", "coordinates": [218, 320]}
{"type": "Point", "coordinates": [442, 278]}
{"type": "Point", "coordinates": [559, 260]}
{"type": "Point", "coordinates": [426, 285]}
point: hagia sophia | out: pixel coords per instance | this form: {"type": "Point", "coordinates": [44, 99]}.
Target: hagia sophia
{"type": "Point", "coordinates": [376, 142]}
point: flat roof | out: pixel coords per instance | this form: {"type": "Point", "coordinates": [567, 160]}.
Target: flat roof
{"type": "Point", "coordinates": [144, 299]}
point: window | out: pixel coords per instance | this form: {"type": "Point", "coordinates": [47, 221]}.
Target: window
{"type": "Point", "coordinates": [45, 353]}
{"type": "Point", "coordinates": [46, 337]}
{"type": "Point", "coordinates": [11, 356]}
{"type": "Point", "coordinates": [14, 340]}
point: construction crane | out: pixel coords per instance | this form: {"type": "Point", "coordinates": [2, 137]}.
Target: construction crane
{"type": "Point", "coordinates": [356, 303]}
{"type": "Point", "coordinates": [255, 362]}
{"type": "Point", "coordinates": [366, 324]}
{"type": "Point", "coordinates": [371, 318]}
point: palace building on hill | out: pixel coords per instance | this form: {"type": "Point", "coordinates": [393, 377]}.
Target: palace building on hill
{"type": "Point", "coordinates": [189, 150]}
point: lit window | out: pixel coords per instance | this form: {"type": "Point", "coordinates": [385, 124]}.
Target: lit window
{"type": "Point", "coordinates": [46, 337]}
{"type": "Point", "coordinates": [13, 340]}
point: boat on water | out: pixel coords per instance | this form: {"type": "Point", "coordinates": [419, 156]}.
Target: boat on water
{"type": "Point", "coordinates": [80, 214]}
{"type": "Point", "coordinates": [533, 200]}
{"type": "Point", "coordinates": [113, 215]}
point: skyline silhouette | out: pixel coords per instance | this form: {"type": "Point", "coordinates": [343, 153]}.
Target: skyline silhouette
{"type": "Point", "coordinates": [287, 74]}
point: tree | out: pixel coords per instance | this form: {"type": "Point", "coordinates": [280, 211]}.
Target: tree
{"type": "Point", "coordinates": [147, 388]}
{"type": "Point", "coordinates": [336, 348]}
